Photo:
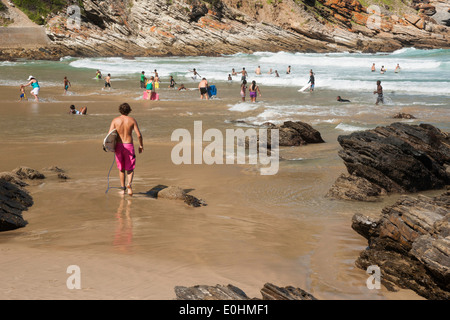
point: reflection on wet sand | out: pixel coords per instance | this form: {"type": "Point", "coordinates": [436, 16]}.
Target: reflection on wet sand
{"type": "Point", "coordinates": [123, 236]}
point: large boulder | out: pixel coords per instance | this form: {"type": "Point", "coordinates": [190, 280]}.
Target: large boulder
{"type": "Point", "coordinates": [410, 243]}
{"type": "Point", "coordinates": [399, 158]}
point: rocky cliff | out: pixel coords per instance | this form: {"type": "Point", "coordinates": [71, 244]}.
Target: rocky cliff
{"type": "Point", "coordinates": [212, 27]}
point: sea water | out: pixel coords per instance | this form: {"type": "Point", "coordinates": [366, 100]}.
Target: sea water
{"type": "Point", "coordinates": [422, 85]}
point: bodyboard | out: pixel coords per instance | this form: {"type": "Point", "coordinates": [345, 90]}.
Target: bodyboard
{"type": "Point", "coordinates": [109, 143]}
{"type": "Point", "coordinates": [304, 88]}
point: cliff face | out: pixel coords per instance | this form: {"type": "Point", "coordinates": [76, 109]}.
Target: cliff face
{"type": "Point", "coordinates": [211, 27]}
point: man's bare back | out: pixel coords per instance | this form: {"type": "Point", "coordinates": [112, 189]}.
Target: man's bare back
{"type": "Point", "coordinates": [125, 126]}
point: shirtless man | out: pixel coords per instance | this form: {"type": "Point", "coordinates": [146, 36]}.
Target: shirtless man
{"type": "Point", "coordinates": [108, 81]}
{"type": "Point", "coordinates": [379, 91]}
{"type": "Point", "coordinates": [203, 87]}
{"type": "Point", "coordinates": [67, 84]}
{"type": "Point", "coordinates": [258, 70]}
{"type": "Point", "coordinates": [125, 155]}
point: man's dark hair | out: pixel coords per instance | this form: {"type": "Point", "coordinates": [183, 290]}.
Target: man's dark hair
{"type": "Point", "coordinates": [124, 109]}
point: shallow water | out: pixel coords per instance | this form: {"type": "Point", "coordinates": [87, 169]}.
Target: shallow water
{"type": "Point", "coordinates": [255, 229]}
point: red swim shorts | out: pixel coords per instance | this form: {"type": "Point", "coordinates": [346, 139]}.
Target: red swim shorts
{"type": "Point", "coordinates": [125, 156]}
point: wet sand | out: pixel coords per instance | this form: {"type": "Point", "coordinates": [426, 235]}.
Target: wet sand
{"type": "Point", "coordinates": [254, 229]}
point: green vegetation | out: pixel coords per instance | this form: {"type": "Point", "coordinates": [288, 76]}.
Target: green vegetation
{"type": "Point", "coordinates": [2, 6]}
{"type": "Point", "coordinates": [38, 10]}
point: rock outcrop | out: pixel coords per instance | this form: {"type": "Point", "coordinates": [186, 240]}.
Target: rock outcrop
{"type": "Point", "coordinates": [399, 158]}
{"type": "Point", "coordinates": [230, 292]}
{"type": "Point", "coordinates": [194, 27]}
{"type": "Point", "coordinates": [296, 133]}
{"type": "Point", "coordinates": [14, 198]}
{"type": "Point", "coordinates": [174, 193]}
{"type": "Point", "coordinates": [410, 244]}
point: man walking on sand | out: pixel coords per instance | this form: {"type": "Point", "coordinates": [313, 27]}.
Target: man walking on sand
{"type": "Point", "coordinates": [125, 155]}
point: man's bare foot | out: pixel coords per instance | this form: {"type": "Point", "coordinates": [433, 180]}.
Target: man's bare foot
{"type": "Point", "coordinates": [130, 191]}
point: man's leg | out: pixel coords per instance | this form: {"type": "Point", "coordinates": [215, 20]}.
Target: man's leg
{"type": "Point", "coordinates": [130, 175]}
{"type": "Point", "coordinates": [122, 180]}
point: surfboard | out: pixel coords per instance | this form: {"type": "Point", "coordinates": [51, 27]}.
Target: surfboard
{"type": "Point", "coordinates": [304, 88]}
{"type": "Point", "coordinates": [109, 143]}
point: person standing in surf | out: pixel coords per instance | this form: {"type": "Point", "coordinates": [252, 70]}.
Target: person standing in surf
{"type": "Point", "coordinates": [253, 90]}
{"type": "Point", "coordinates": [35, 87]}
{"type": "Point", "coordinates": [311, 80]}
{"type": "Point", "coordinates": [124, 152]}
{"type": "Point", "coordinates": [108, 81]}
{"type": "Point", "coordinates": [379, 91]}
{"type": "Point", "coordinates": [203, 88]}
{"type": "Point", "coordinates": [243, 90]}
{"type": "Point", "coordinates": [67, 84]}
{"type": "Point", "coordinates": [143, 80]}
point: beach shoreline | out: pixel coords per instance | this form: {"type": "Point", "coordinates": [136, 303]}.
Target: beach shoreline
{"type": "Point", "coordinates": [254, 229]}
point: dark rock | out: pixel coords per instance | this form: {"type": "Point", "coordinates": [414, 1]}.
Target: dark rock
{"type": "Point", "coordinates": [230, 292]}
{"type": "Point", "coordinates": [296, 133]}
{"type": "Point", "coordinates": [218, 292]}
{"type": "Point", "coordinates": [399, 158]}
{"type": "Point", "coordinates": [410, 244]}
{"type": "Point", "coordinates": [13, 201]}
{"type": "Point", "coordinates": [402, 115]}
{"type": "Point", "coordinates": [28, 173]}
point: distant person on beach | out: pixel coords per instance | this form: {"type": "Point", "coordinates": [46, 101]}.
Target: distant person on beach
{"type": "Point", "coordinates": [244, 74]}
{"type": "Point", "coordinates": [32, 81]}
{"type": "Point", "coordinates": [288, 71]}
{"type": "Point", "coordinates": [22, 93]}
{"type": "Point", "coordinates": [98, 74]}
{"type": "Point", "coordinates": [108, 81]}
{"type": "Point", "coordinates": [258, 70]}
{"type": "Point", "coordinates": [73, 110]}
{"type": "Point", "coordinates": [233, 72]}
{"type": "Point", "coordinates": [150, 87]}
{"type": "Point", "coordinates": [66, 85]}
{"type": "Point", "coordinates": [373, 67]}
{"type": "Point", "coordinates": [125, 154]}
{"type": "Point", "coordinates": [182, 87]}
{"type": "Point", "coordinates": [397, 68]}
{"type": "Point", "coordinates": [143, 80]}
{"type": "Point", "coordinates": [342, 100]}
{"type": "Point", "coordinates": [156, 81]}
{"type": "Point", "coordinates": [276, 74]}
{"type": "Point", "coordinates": [312, 80]}
{"type": "Point", "coordinates": [230, 78]}
{"type": "Point", "coordinates": [270, 71]}
{"type": "Point", "coordinates": [253, 90]}
{"type": "Point", "coordinates": [203, 88]}
{"type": "Point", "coordinates": [379, 91]}
{"type": "Point", "coordinates": [382, 70]}
{"type": "Point", "coordinates": [195, 74]}
{"type": "Point", "coordinates": [243, 89]}
{"type": "Point", "coordinates": [172, 82]}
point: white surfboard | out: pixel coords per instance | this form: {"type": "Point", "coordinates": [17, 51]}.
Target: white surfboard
{"type": "Point", "coordinates": [109, 143]}
{"type": "Point", "coordinates": [304, 88]}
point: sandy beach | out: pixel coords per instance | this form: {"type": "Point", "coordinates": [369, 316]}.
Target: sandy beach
{"type": "Point", "coordinates": [254, 229]}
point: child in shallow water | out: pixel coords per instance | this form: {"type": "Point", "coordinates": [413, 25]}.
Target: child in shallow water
{"type": "Point", "coordinates": [22, 93]}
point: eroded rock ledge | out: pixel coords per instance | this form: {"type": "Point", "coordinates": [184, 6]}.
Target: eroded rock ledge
{"type": "Point", "coordinates": [399, 158]}
{"type": "Point", "coordinates": [230, 292]}
{"type": "Point", "coordinates": [14, 198]}
{"type": "Point", "coordinates": [410, 243]}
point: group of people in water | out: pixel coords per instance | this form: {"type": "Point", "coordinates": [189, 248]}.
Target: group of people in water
{"type": "Point", "coordinates": [152, 83]}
